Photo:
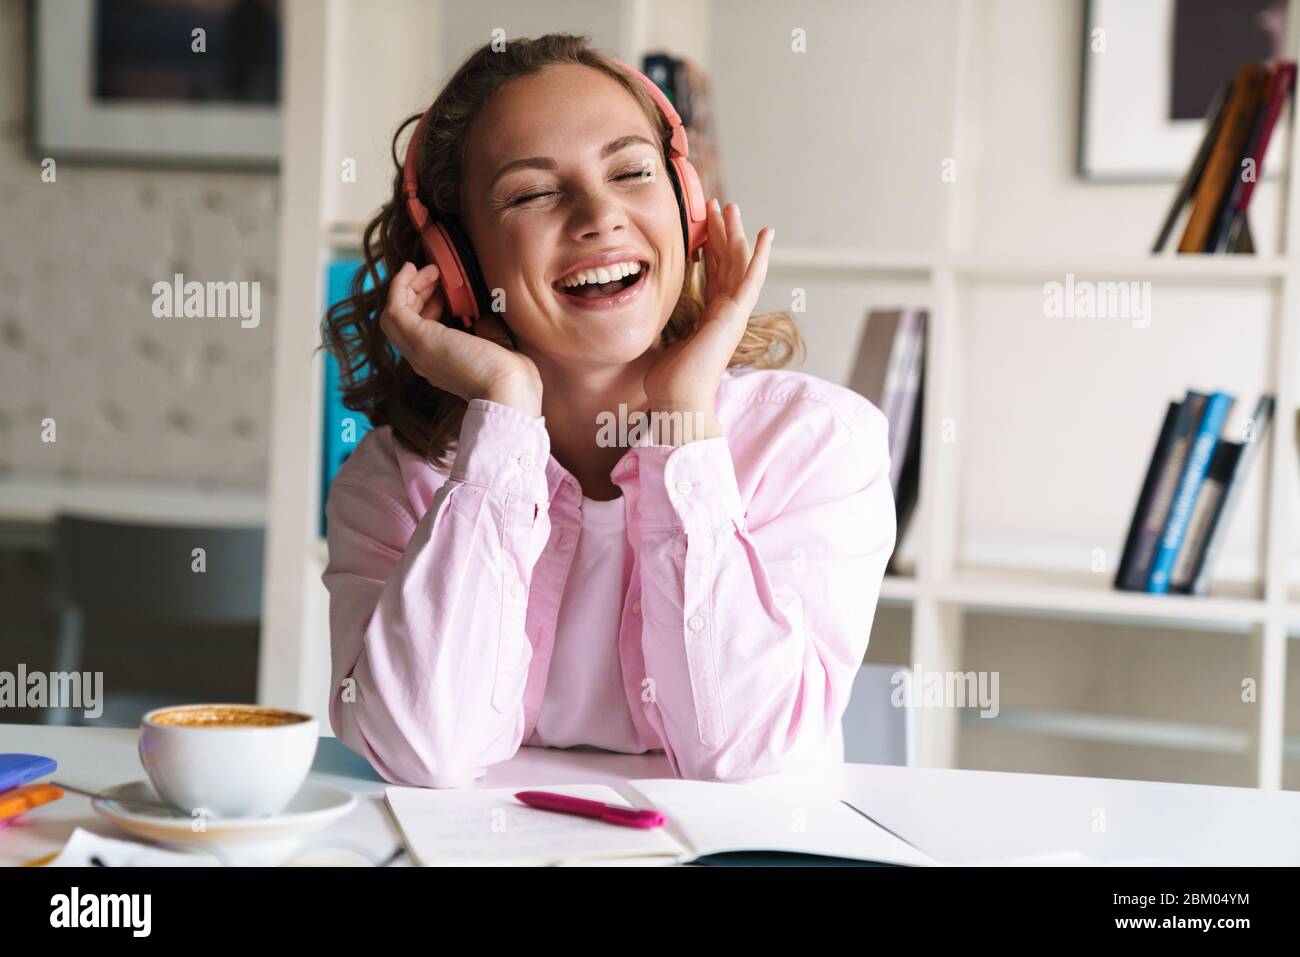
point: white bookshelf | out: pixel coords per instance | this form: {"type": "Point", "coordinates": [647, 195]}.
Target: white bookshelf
{"type": "Point", "coordinates": [945, 584]}
{"type": "Point", "coordinates": [945, 587]}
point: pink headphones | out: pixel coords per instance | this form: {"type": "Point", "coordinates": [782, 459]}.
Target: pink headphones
{"type": "Point", "coordinates": [446, 244]}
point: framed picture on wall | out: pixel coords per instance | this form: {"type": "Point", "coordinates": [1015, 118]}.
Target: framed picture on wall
{"type": "Point", "coordinates": [1150, 71]}
{"type": "Point", "coordinates": [161, 82]}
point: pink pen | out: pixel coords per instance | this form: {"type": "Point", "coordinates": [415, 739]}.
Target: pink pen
{"type": "Point", "coordinates": [611, 814]}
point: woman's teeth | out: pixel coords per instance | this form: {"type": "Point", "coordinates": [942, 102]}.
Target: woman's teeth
{"type": "Point", "coordinates": [603, 274]}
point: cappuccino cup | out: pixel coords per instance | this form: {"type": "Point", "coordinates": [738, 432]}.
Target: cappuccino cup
{"type": "Point", "coordinates": [227, 760]}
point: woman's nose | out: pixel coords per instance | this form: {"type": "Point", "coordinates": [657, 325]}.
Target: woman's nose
{"type": "Point", "coordinates": [597, 214]}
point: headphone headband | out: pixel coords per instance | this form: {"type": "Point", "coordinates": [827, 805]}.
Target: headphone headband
{"type": "Point", "coordinates": [677, 145]}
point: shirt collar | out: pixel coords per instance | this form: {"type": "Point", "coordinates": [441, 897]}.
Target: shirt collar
{"type": "Point", "coordinates": [557, 475]}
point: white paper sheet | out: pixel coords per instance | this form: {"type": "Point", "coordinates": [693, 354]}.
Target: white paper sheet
{"type": "Point", "coordinates": [491, 826]}
{"type": "Point", "coordinates": [84, 845]}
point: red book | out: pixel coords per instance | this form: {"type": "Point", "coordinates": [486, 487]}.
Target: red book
{"type": "Point", "coordinates": [1232, 218]}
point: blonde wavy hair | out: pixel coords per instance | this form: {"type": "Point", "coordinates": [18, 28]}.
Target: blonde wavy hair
{"type": "Point", "coordinates": [377, 382]}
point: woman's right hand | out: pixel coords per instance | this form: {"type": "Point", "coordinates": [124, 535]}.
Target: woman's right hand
{"type": "Point", "coordinates": [473, 365]}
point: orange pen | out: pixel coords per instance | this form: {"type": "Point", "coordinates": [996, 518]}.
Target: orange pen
{"type": "Point", "coordinates": [19, 800]}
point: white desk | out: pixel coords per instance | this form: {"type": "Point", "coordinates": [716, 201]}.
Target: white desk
{"type": "Point", "coordinates": [955, 816]}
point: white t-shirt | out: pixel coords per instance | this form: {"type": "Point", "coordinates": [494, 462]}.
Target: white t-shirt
{"type": "Point", "coordinates": [584, 701]}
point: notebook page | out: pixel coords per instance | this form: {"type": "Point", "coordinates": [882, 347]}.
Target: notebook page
{"type": "Point", "coordinates": [716, 817]}
{"type": "Point", "coordinates": [492, 826]}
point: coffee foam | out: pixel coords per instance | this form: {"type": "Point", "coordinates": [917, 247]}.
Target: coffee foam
{"type": "Point", "coordinates": [226, 717]}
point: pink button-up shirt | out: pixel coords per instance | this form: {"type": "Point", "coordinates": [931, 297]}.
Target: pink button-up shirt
{"type": "Point", "coordinates": [756, 560]}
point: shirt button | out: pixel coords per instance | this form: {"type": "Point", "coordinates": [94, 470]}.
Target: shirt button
{"type": "Point", "coordinates": [683, 486]}
{"type": "Point", "coordinates": [696, 623]}
{"type": "Point", "coordinates": [525, 461]}
{"type": "Point", "coordinates": [636, 607]}
{"type": "Point", "coordinates": [516, 589]}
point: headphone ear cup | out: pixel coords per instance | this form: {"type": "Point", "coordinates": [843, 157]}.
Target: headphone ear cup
{"type": "Point", "coordinates": [479, 303]}
{"type": "Point", "coordinates": [694, 209]}
{"type": "Point", "coordinates": [440, 246]}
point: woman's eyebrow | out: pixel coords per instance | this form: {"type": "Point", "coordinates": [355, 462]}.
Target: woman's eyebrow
{"type": "Point", "coordinates": [622, 143]}
{"type": "Point", "coordinates": [545, 162]}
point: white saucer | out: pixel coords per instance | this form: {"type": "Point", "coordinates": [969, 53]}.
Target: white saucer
{"type": "Point", "coordinates": [314, 807]}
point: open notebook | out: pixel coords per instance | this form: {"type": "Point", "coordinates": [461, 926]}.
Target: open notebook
{"type": "Point", "coordinates": [490, 826]}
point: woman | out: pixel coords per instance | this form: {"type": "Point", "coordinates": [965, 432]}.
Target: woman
{"type": "Point", "coordinates": [506, 568]}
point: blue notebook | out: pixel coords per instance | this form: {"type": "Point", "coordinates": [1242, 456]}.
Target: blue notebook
{"type": "Point", "coordinates": [19, 769]}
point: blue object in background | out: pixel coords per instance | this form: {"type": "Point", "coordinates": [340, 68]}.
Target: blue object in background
{"type": "Point", "coordinates": [1204, 439]}
{"type": "Point", "coordinates": [19, 769]}
{"type": "Point", "coordinates": [343, 428]}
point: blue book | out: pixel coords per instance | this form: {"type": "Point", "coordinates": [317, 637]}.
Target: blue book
{"type": "Point", "coordinates": [1204, 440]}
{"type": "Point", "coordinates": [343, 428]}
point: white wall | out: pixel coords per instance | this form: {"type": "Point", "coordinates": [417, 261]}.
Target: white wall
{"type": "Point", "coordinates": [425, 40]}
{"type": "Point", "coordinates": [132, 396]}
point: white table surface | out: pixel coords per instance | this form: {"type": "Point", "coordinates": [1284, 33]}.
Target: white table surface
{"type": "Point", "coordinates": [956, 816]}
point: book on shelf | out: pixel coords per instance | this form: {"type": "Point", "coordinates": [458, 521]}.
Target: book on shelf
{"type": "Point", "coordinates": [909, 481]}
{"type": "Point", "coordinates": [1224, 481]}
{"type": "Point", "coordinates": [889, 371]}
{"type": "Point", "coordinates": [1192, 486]}
{"type": "Point", "coordinates": [1230, 229]}
{"type": "Point", "coordinates": [1219, 184]}
{"type": "Point", "coordinates": [1187, 188]}
{"type": "Point", "coordinates": [1222, 165]}
{"type": "Point", "coordinates": [1217, 476]}
{"type": "Point", "coordinates": [1140, 543]}
{"type": "Point", "coordinates": [342, 429]}
{"type": "Point", "coordinates": [1158, 493]}
{"type": "Point", "coordinates": [1199, 454]}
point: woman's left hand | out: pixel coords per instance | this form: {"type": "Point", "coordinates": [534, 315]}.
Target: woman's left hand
{"type": "Point", "coordinates": [684, 379]}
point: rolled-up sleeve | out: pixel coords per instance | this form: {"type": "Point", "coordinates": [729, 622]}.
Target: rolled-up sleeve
{"type": "Point", "coordinates": [429, 653]}
{"type": "Point", "coordinates": [753, 631]}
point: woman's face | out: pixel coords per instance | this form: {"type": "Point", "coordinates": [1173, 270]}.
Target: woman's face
{"type": "Point", "coordinates": [565, 177]}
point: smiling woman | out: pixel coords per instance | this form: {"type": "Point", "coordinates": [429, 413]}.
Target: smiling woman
{"type": "Point", "coordinates": [500, 572]}
{"type": "Point", "coordinates": [488, 168]}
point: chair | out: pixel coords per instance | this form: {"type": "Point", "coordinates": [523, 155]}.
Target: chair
{"type": "Point", "coordinates": [106, 568]}
{"type": "Point", "coordinates": [875, 730]}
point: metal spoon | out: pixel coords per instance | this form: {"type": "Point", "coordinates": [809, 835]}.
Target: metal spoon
{"type": "Point", "coordinates": [158, 805]}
